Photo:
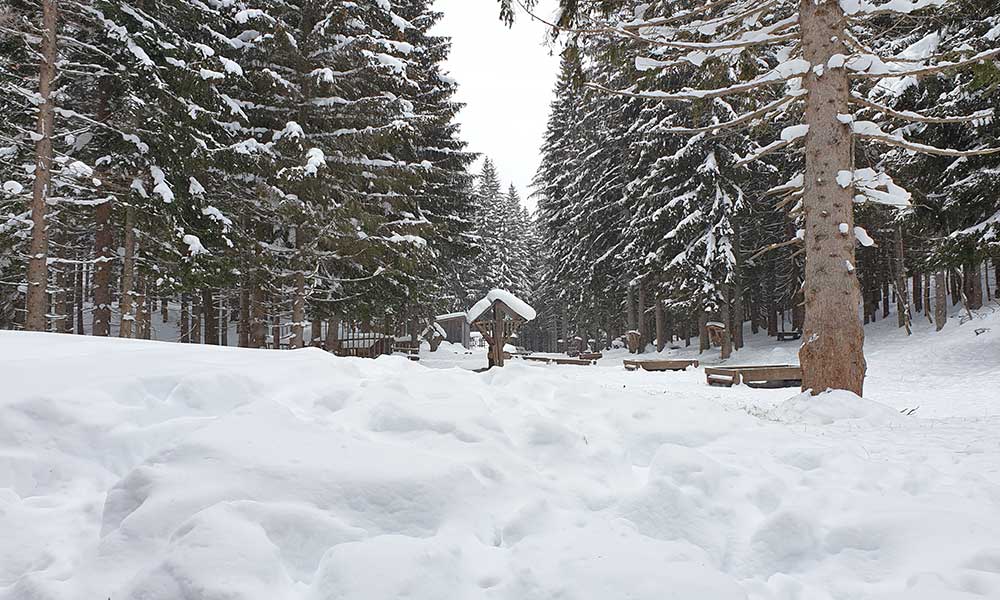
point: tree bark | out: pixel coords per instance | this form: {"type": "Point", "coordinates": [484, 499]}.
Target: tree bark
{"type": "Point", "coordinates": [299, 311]}
{"type": "Point", "coordinates": [918, 292]}
{"type": "Point", "coordinates": [185, 320]}
{"type": "Point", "coordinates": [258, 318]}
{"type": "Point", "coordinates": [974, 285]}
{"type": "Point", "coordinates": [927, 297]}
{"type": "Point", "coordinates": [80, 297]}
{"type": "Point", "coordinates": [103, 238]}
{"type": "Point", "coordinates": [704, 343]}
{"type": "Point", "coordinates": [832, 355]}
{"type": "Point", "coordinates": [902, 294]}
{"type": "Point", "coordinates": [940, 300]}
{"type": "Point", "coordinates": [36, 299]}
{"type": "Point", "coordinates": [223, 320]}
{"type": "Point", "coordinates": [727, 338]}
{"type": "Point", "coordinates": [641, 316]}
{"type": "Point", "coordinates": [126, 305]}
{"type": "Point", "coordinates": [244, 322]}
{"type": "Point", "coordinates": [661, 332]}
{"type": "Point", "coordinates": [211, 316]}
{"type": "Point", "coordinates": [196, 319]}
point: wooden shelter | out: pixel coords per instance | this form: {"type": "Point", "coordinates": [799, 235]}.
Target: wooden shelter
{"type": "Point", "coordinates": [497, 317]}
{"type": "Point", "coordinates": [456, 328]}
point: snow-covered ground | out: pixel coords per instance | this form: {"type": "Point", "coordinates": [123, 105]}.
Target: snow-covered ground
{"type": "Point", "coordinates": [155, 471]}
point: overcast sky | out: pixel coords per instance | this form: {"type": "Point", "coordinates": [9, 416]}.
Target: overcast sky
{"type": "Point", "coordinates": [505, 78]}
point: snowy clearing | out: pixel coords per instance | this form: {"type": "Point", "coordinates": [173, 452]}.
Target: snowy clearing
{"type": "Point", "coordinates": [133, 469]}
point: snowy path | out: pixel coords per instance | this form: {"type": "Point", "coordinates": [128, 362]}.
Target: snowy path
{"type": "Point", "coordinates": [160, 471]}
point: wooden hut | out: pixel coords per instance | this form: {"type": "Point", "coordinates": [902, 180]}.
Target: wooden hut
{"type": "Point", "coordinates": [497, 317]}
{"type": "Point", "coordinates": [456, 328]}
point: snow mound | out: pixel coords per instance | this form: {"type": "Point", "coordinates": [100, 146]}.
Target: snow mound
{"type": "Point", "coordinates": [834, 406]}
{"type": "Point", "coordinates": [141, 470]}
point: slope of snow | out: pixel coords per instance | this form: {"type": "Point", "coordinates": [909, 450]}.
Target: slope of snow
{"type": "Point", "coordinates": [157, 471]}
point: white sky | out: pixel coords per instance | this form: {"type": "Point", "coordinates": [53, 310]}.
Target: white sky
{"type": "Point", "coordinates": [505, 78]}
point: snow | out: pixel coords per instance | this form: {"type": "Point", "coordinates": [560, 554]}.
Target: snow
{"type": "Point", "coordinates": [150, 470]}
{"type": "Point", "coordinates": [12, 187]}
{"type": "Point", "coordinates": [513, 302]}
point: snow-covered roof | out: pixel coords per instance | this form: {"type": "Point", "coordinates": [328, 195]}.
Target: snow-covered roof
{"type": "Point", "coordinates": [453, 315]}
{"type": "Point", "coordinates": [520, 307]}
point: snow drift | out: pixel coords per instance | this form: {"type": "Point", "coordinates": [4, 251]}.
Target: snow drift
{"type": "Point", "coordinates": [139, 470]}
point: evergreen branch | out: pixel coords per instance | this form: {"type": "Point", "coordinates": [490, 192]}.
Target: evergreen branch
{"type": "Point", "coordinates": [917, 117]}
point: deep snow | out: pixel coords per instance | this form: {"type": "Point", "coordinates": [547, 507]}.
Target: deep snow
{"type": "Point", "coordinates": [149, 470]}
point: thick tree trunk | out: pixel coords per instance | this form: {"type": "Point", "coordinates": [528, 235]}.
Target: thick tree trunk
{"type": "Point", "coordinates": [211, 316]}
{"type": "Point", "coordinates": [36, 299]}
{"type": "Point", "coordinates": [940, 300]}
{"type": "Point", "coordinates": [332, 335]}
{"type": "Point", "coordinates": [126, 305]}
{"type": "Point", "coordinates": [103, 237]}
{"type": "Point", "coordinates": [927, 297]}
{"type": "Point", "coordinates": [832, 355]}
{"type": "Point", "coordinates": [918, 292]}
{"type": "Point", "coordinates": [276, 332]}
{"type": "Point", "coordinates": [974, 285]}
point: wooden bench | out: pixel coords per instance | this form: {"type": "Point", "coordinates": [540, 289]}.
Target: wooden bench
{"type": "Point", "coordinates": [549, 360]}
{"type": "Point", "coordinates": [574, 361]}
{"type": "Point", "coordinates": [755, 376]}
{"type": "Point", "coordinates": [590, 356]}
{"type": "Point", "coordinates": [789, 335]}
{"type": "Point", "coordinates": [659, 365]}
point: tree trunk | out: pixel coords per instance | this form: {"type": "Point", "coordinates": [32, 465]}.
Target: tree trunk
{"type": "Point", "coordinates": [299, 311]}
{"type": "Point", "coordinates": [185, 320]}
{"type": "Point", "coordinates": [703, 342]}
{"type": "Point", "coordinates": [918, 292]}
{"type": "Point", "coordinates": [141, 316]}
{"type": "Point", "coordinates": [727, 338]}
{"type": "Point", "coordinates": [902, 294]}
{"type": "Point", "coordinates": [103, 237]}
{"type": "Point", "coordinates": [258, 319]}
{"type": "Point", "coordinates": [164, 310]}
{"type": "Point", "coordinates": [630, 308]}
{"type": "Point", "coordinates": [927, 297]}
{"type": "Point", "coordinates": [211, 316]}
{"type": "Point", "coordinates": [974, 285]}
{"type": "Point", "coordinates": [641, 316]}
{"type": "Point", "coordinates": [661, 332]}
{"type": "Point", "coordinates": [36, 300]}
{"type": "Point", "coordinates": [332, 335]}
{"type": "Point", "coordinates": [940, 300]}
{"type": "Point", "coordinates": [80, 297]}
{"type": "Point", "coordinates": [244, 322]}
{"type": "Point", "coordinates": [276, 332]}
{"type": "Point", "coordinates": [126, 305]}
{"type": "Point", "coordinates": [223, 320]}
{"type": "Point", "coordinates": [832, 355]}
{"type": "Point", "coordinates": [196, 319]}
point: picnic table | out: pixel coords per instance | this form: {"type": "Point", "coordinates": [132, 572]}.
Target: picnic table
{"type": "Point", "coordinates": [659, 365]}
{"type": "Point", "coordinates": [755, 376]}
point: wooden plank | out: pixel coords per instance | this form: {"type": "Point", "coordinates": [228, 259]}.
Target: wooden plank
{"type": "Point", "coordinates": [573, 361]}
{"type": "Point", "coordinates": [544, 359]}
{"type": "Point", "coordinates": [590, 356]}
{"type": "Point", "coordinates": [659, 365]}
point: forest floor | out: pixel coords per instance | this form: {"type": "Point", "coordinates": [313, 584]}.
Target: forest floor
{"type": "Point", "coordinates": [155, 471]}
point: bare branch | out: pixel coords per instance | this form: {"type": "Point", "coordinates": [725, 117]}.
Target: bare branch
{"type": "Point", "coordinates": [867, 130]}
{"type": "Point", "coordinates": [774, 246]}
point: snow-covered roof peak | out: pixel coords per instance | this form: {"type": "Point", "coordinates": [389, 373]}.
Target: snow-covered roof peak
{"type": "Point", "coordinates": [520, 307]}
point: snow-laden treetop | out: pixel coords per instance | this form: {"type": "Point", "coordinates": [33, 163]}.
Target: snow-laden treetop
{"type": "Point", "coordinates": [514, 303]}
